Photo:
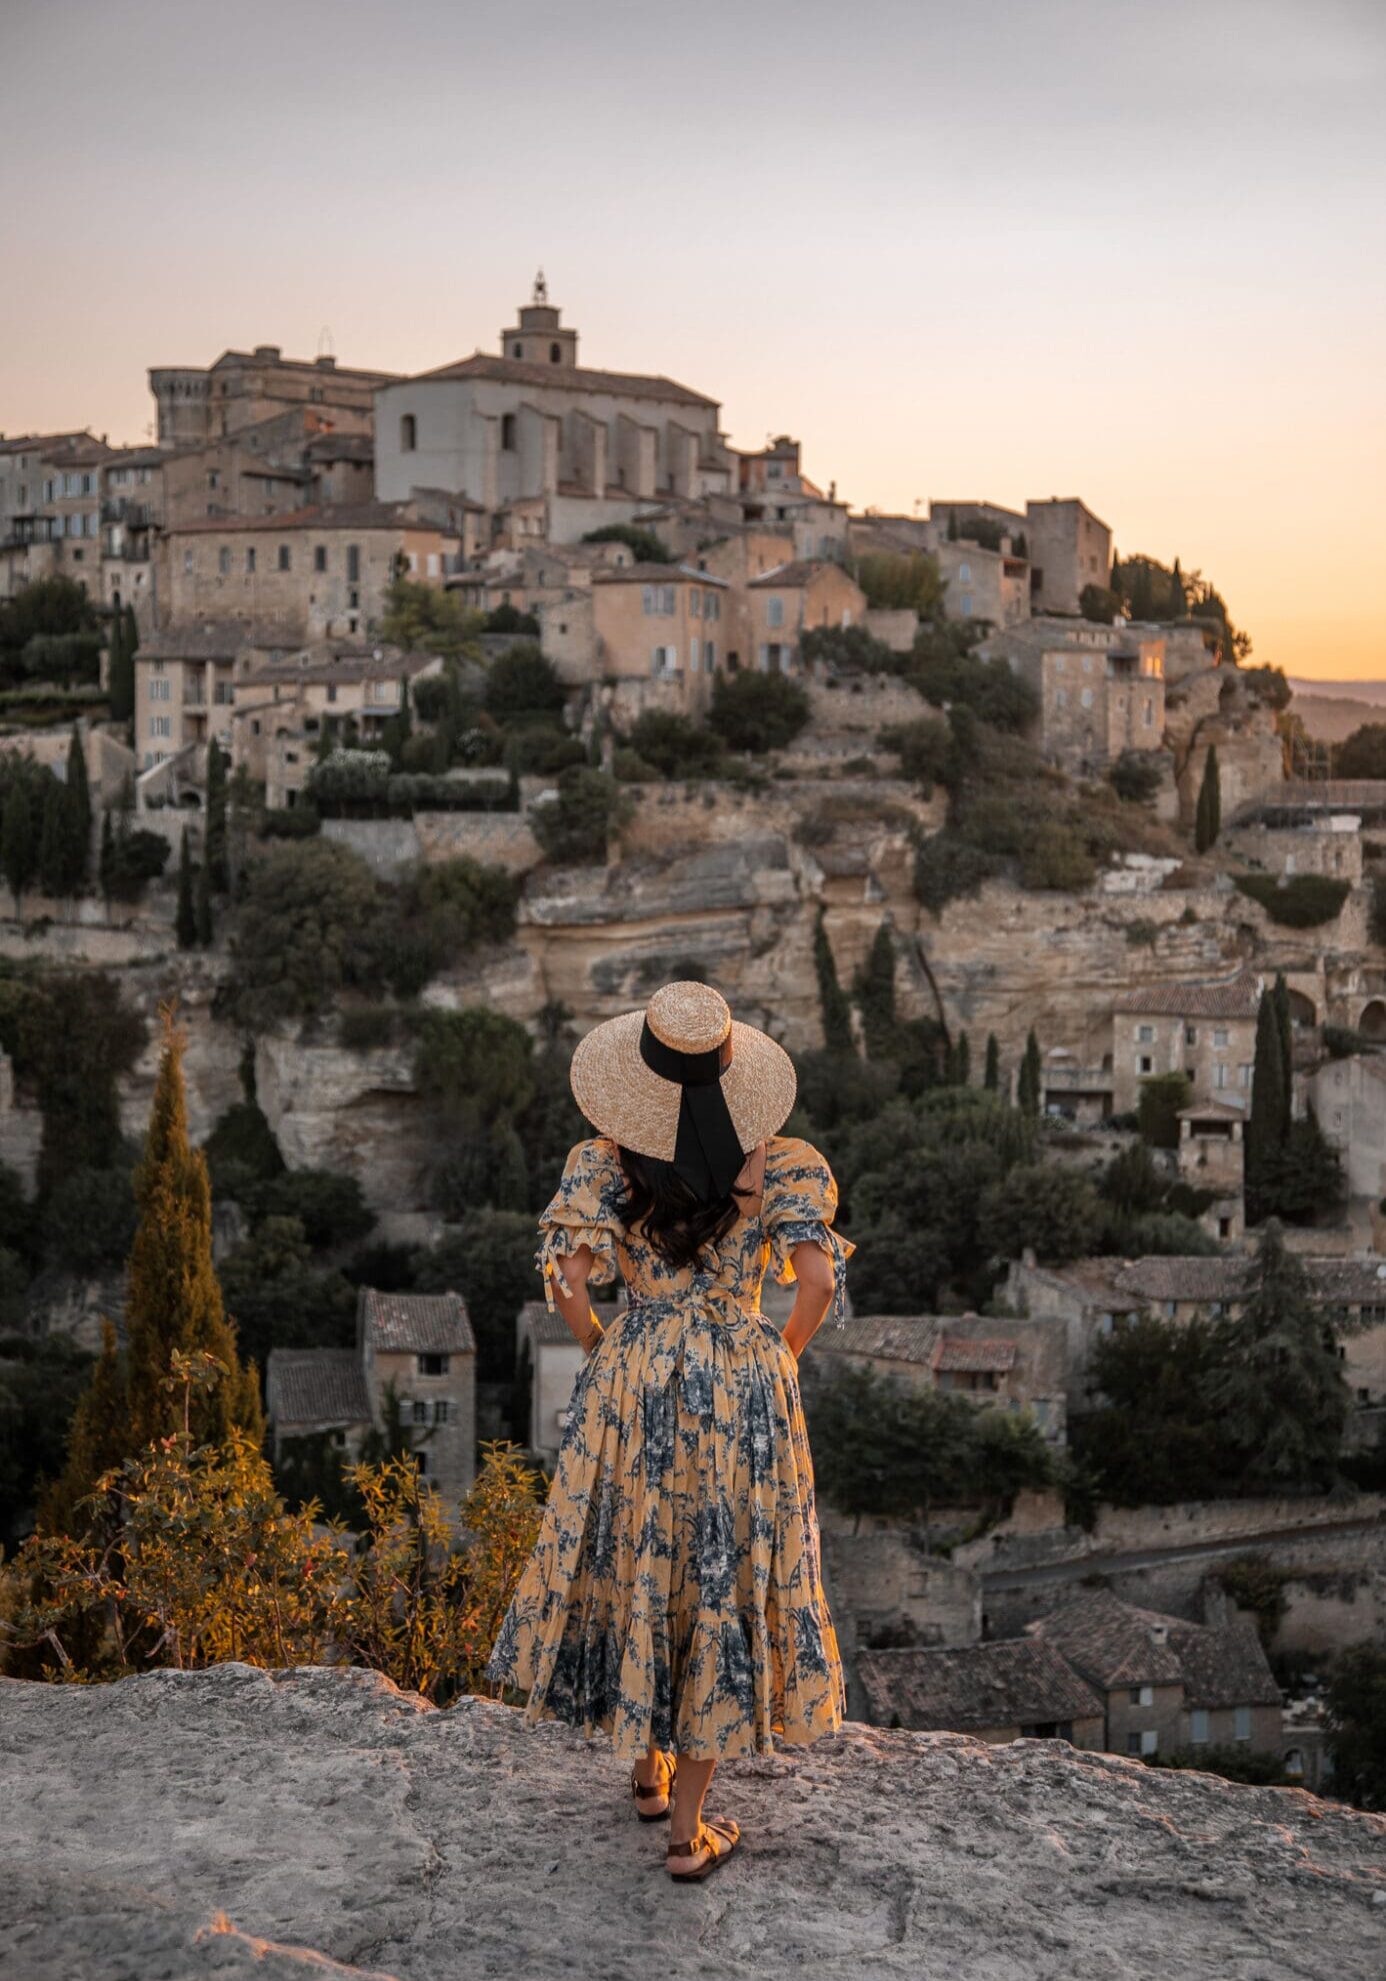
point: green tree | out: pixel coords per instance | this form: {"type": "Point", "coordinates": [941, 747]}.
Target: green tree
{"type": "Point", "coordinates": [214, 837]}
{"type": "Point", "coordinates": [1268, 1121]}
{"type": "Point", "coordinates": [644, 543]}
{"type": "Point", "coordinates": [424, 619]}
{"type": "Point", "coordinates": [675, 746]}
{"type": "Point", "coordinates": [1278, 1382]}
{"type": "Point", "coordinates": [521, 685]}
{"type": "Point", "coordinates": [1054, 1212]}
{"type": "Point", "coordinates": [758, 712]}
{"type": "Point", "coordinates": [475, 1060]}
{"type": "Point", "coordinates": [991, 1078]}
{"type": "Point", "coordinates": [1355, 1702]}
{"type": "Point", "coordinates": [834, 1008]}
{"type": "Point", "coordinates": [1030, 1082]}
{"type": "Point", "coordinates": [894, 580]}
{"type": "Point", "coordinates": [54, 841]}
{"type": "Point", "coordinates": [185, 920]}
{"type": "Point", "coordinates": [18, 855]}
{"type": "Point", "coordinates": [203, 906]}
{"type": "Point", "coordinates": [120, 671]}
{"type": "Point", "coordinates": [576, 825]}
{"type": "Point", "coordinates": [106, 868]}
{"type": "Point", "coordinates": [1208, 817]}
{"type": "Point", "coordinates": [79, 814]}
{"type": "Point", "coordinates": [173, 1300]}
{"type": "Point", "coordinates": [874, 990]}
{"type": "Point", "coordinates": [1363, 753]}
{"type": "Point", "coordinates": [1162, 1096]}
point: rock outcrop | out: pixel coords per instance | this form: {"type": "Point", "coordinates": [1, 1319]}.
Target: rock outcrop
{"type": "Point", "coordinates": [279, 1824]}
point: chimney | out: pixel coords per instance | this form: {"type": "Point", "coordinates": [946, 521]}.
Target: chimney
{"type": "Point", "coordinates": [325, 364]}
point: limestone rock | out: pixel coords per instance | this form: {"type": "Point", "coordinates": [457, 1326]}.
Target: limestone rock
{"type": "Point", "coordinates": [242, 1822]}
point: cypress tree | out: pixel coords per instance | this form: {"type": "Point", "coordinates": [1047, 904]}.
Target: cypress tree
{"type": "Point", "coordinates": [1178, 603]}
{"type": "Point", "coordinates": [205, 929]}
{"type": "Point", "coordinates": [120, 676]}
{"type": "Point", "coordinates": [1029, 1082]}
{"type": "Point", "coordinates": [107, 866]}
{"type": "Point", "coordinates": [79, 809]}
{"type": "Point", "coordinates": [185, 921]}
{"type": "Point", "coordinates": [875, 993]}
{"type": "Point", "coordinates": [214, 842]}
{"type": "Point", "coordinates": [952, 526]}
{"type": "Point", "coordinates": [53, 840]}
{"type": "Point", "coordinates": [991, 1078]}
{"type": "Point", "coordinates": [833, 1006]}
{"type": "Point", "coordinates": [1208, 818]}
{"type": "Point", "coordinates": [172, 1296]}
{"type": "Point", "coordinates": [1284, 1026]}
{"type": "Point", "coordinates": [964, 1060]}
{"type": "Point", "coordinates": [132, 636]}
{"type": "Point", "coordinates": [1269, 1115]}
{"type": "Point", "coordinates": [17, 850]}
{"type": "Point", "coordinates": [98, 1438]}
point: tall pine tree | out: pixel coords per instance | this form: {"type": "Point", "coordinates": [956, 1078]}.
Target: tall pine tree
{"type": "Point", "coordinates": [18, 854]}
{"type": "Point", "coordinates": [205, 930]}
{"type": "Point", "coordinates": [106, 870]}
{"type": "Point", "coordinates": [172, 1296]}
{"type": "Point", "coordinates": [79, 809]}
{"type": "Point", "coordinates": [1284, 1027]}
{"type": "Point", "coordinates": [54, 841]}
{"type": "Point", "coordinates": [97, 1439]}
{"type": "Point", "coordinates": [1208, 818]}
{"type": "Point", "coordinates": [991, 1078]}
{"type": "Point", "coordinates": [832, 999]}
{"type": "Point", "coordinates": [875, 993]}
{"type": "Point", "coordinates": [1268, 1121]}
{"type": "Point", "coordinates": [1178, 603]}
{"type": "Point", "coordinates": [185, 921]}
{"type": "Point", "coordinates": [214, 839]}
{"type": "Point", "coordinates": [1030, 1081]}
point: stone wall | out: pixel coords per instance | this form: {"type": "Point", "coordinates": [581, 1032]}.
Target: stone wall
{"type": "Point", "coordinates": [390, 847]}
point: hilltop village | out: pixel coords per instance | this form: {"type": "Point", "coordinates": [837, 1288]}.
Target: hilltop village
{"type": "Point", "coordinates": [402, 727]}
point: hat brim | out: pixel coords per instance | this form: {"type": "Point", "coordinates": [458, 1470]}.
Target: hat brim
{"type": "Point", "coordinates": [623, 1098]}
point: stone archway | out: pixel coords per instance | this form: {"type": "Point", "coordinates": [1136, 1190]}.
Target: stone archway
{"type": "Point", "coordinates": [1372, 1022]}
{"type": "Point", "coordinates": [1303, 1011]}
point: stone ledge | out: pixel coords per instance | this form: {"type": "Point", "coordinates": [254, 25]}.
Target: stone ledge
{"type": "Point", "coordinates": [239, 1822]}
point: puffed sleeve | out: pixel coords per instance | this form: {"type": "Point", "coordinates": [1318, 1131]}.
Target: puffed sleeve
{"type": "Point", "coordinates": [584, 1211]}
{"type": "Point", "coordinates": [800, 1204]}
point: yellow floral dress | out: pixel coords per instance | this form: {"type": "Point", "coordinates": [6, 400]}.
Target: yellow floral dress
{"type": "Point", "coordinates": [675, 1593]}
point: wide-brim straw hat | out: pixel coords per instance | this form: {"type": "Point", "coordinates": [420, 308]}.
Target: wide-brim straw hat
{"type": "Point", "coordinates": [625, 1098]}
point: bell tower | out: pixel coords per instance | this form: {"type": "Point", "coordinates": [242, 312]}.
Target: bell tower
{"type": "Point", "coordinates": [539, 338]}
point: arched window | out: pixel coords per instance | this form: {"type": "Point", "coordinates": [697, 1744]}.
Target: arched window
{"type": "Point", "coordinates": [517, 350]}
{"type": "Point", "coordinates": [555, 354]}
{"type": "Point", "coordinates": [408, 434]}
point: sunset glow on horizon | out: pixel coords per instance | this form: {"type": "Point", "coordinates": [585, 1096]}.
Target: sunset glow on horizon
{"type": "Point", "coordinates": [1132, 254]}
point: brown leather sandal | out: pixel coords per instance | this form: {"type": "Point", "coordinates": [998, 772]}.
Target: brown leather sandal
{"type": "Point", "coordinates": [719, 1835]}
{"type": "Point", "coordinates": [644, 1790]}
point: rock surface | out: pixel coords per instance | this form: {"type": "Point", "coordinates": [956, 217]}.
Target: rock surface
{"type": "Point", "coordinates": [238, 1822]}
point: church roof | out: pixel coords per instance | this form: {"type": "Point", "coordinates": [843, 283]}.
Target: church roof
{"type": "Point", "coordinates": [567, 378]}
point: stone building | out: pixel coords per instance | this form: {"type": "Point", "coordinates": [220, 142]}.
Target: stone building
{"type": "Point", "coordinates": [1069, 549]}
{"type": "Point", "coordinates": [1006, 1365]}
{"type": "Point", "coordinates": [283, 706]}
{"type": "Point", "coordinates": [1010, 1690]}
{"type": "Point", "coordinates": [50, 509]}
{"type": "Point", "coordinates": [1205, 1030]}
{"type": "Point", "coordinates": [422, 1344]}
{"type": "Point", "coordinates": [982, 584]}
{"type": "Point", "coordinates": [1212, 1156]}
{"type": "Point", "coordinates": [661, 624]}
{"type": "Point", "coordinates": [1100, 688]}
{"type": "Point", "coordinates": [529, 424]}
{"type": "Point", "coordinates": [185, 685]}
{"type": "Point", "coordinates": [547, 1360]}
{"type": "Point", "coordinates": [1167, 1685]}
{"type": "Point", "coordinates": [792, 600]}
{"type": "Point", "coordinates": [774, 493]}
{"type": "Point", "coordinates": [197, 404]}
{"type": "Point", "coordinates": [323, 571]}
{"type": "Point", "coordinates": [1349, 1097]}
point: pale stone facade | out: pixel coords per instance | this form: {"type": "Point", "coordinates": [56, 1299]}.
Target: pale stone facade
{"type": "Point", "coordinates": [197, 404]}
{"type": "Point", "coordinates": [984, 585]}
{"type": "Point", "coordinates": [1100, 688]}
{"type": "Point", "coordinates": [282, 708]}
{"type": "Point", "coordinates": [1205, 1030]}
{"type": "Point", "coordinates": [661, 623]}
{"type": "Point", "coordinates": [1069, 550]}
{"type": "Point", "coordinates": [795, 599]}
{"type": "Point", "coordinates": [1349, 1097]}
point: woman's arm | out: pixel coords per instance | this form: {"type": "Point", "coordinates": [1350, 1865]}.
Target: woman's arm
{"type": "Point", "coordinates": [813, 1275]}
{"type": "Point", "coordinates": [570, 1297]}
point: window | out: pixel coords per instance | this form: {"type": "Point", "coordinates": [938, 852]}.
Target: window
{"type": "Point", "coordinates": [1145, 1035]}
{"type": "Point", "coordinates": [1244, 1074]}
{"type": "Point", "coordinates": [224, 560]}
{"type": "Point", "coordinates": [508, 432]}
{"type": "Point", "coordinates": [433, 564]}
{"type": "Point", "coordinates": [161, 725]}
{"type": "Point", "coordinates": [320, 557]}
{"type": "Point", "coordinates": [250, 561]}
{"type": "Point", "coordinates": [1061, 698]}
{"type": "Point", "coordinates": [159, 691]}
{"type": "Point", "coordinates": [712, 606]}
{"type": "Point", "coordinates": [1241, 1723]}
{"type": "Point", "coordinates": [420, 1411]}
{"type": "Point", "coordinates": [433, 1365]}
{"type": "Point", "coordinates": [213, 478]}
{"type": "Point", "coordinates": [1145, 1064]}
{"type": "Point", "coordinates": [1142, 1695]}
{"type": "Point", "coordinates": [647, 598]}
{"type": "Point", "coordinates": [187, 563]}
{"type": "Point", "coordinates": [1191, 1035]}
{"type": "Point", "coordinates": [1133, 1744]}
{"type": "Point", "coordinates": [695, 654]}
{"type": "Point", "coordinates": [353, 564]}
{"type": "Point", "coordinates": [517, 350]}
{"type": "Point", "coordinates": [555, 354]}
{"type": "Point", "coordinates": [421, 1459]}
{"type": "Point", "coordinates": [695, 604]}
{"type": "Point", "coordinates": [440, 1411]}
{"type": "Point", "coordinates": [284, 557]}
{"type": "Point", "coordinates": [965, 574]}
{"type": "Point", "coordinates": [408, 434]}
{"type": "Point", "coordinates": [967, 605]}
{"type": "Point", "coordinates": [1150, 1744]}
{"type": "Point", "coordinates": [710, 656]}
{"type": "Point", "coordinates": [1149, 714]}
{"type": "Point", "coordinates": [774, 611]}
{"type": "Point", "coordinates": [1087, 698]}
{"type": "Point", "coordinates": [332, 691]}
{"type": "Point", "coordinates": [1220, 1074]}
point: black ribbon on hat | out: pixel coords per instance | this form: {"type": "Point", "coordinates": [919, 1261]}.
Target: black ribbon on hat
{"type": "Point", "coordinates": [707, 1154]}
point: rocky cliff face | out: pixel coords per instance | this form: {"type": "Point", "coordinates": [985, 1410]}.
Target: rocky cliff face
{"type": "Point", "coordinates": [319, 1821]}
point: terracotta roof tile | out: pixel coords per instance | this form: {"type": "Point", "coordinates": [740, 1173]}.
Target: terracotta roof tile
{"type": "Point", "coordinates": [889, 1337]}
{"type": "Point", "coordinates": [566, 378]}
{"type": "Point", "coordinates": [1237, 997]}
{"type": "Point", "coordinates": [979, 1688]}
{"type": "Point", "coordinates": [959, 1354]}
{"type": "Point", "coordinates": [316, 1386]}
{"type": "Point", "coordinates": [413, 1323]}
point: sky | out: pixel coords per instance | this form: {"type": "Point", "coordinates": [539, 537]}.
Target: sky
{"type": "Point", "coordinates": [1107, 248]}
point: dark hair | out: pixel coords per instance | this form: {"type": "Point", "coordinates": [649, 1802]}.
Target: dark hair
{"type": "Point", "coordinates": [677, 1222]}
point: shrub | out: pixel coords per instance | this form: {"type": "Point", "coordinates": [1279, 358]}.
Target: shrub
{"type": "Point", "coordinates": [926, 749]}
{"type": "Point", "coordinates": [520, 683]}
{"type": "Point", "coordinates": [645, 544]}
{"type": "Point", "coordinates": [1136, 776]}
{"type": "Point", "coordinates": [138, 857]}
{"type": "Point", "coordinates": [1161, 1098]}
{"type": "Point", "coordinates": [475, 1059]}
{"type": "Point", "coordinates": [1054, 857]}
{"type": "Point", "coordinates": [576, 825]}
{"type": "Point", "coordinates": [948, 867]}
{"type": "Point", "coordinates": [759, 712]}
{"type": "Point", "coordinates": [542, 749]}
{"type": "Point", "coordinates": [1055, 1211]}
{"type": "Point", "coordinates": [851, 650]}
{"type": "Point", "coordinates": [628, 767]}
{"type": "Point", "coordinates": [900, 580]}
{"type": "Point", "coordinates": [89, 1219]}
{"type": "Point", "coordinates": [298, 821]}
{"type": "Point", "coordinates": [1303, 901]}
{"type": "Point", "coordinates": [310, 925]}
{"type": "Point", "coordinates": [367, 1027]}
{"type": "Point", "coordinates": [675, 746]}
{"type": "Point", "coordinates": [509, 619]}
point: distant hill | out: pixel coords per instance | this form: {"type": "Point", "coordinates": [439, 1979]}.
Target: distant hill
{"type": "Point", "coordinates": [1331, 710]}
